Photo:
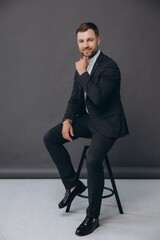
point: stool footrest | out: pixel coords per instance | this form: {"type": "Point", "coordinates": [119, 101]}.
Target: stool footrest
{"type": "Point", "coordinates": [104, 196]}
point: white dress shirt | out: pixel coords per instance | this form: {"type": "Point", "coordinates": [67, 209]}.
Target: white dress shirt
{"type": "Point", "coordinates": [92, 62]}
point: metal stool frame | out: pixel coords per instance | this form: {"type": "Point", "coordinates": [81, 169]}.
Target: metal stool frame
{"type": "Point", "coordinates": [112, 191]}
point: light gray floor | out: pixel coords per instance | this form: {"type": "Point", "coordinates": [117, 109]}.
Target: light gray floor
{"type": "Point", "coordinates": [28, 211]}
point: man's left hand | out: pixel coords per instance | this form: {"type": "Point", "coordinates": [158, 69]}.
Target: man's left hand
{"type": "Point", "coordinates": [81, 65]}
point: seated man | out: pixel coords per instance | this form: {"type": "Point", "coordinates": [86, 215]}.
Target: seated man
{"type": "Point", "coordinates": [94, 110]}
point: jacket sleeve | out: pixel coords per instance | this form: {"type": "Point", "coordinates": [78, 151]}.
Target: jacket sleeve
{"type": "Point", "coordinates": [73, 103]}
{"type": "Point", "coordinates": [99, 88]}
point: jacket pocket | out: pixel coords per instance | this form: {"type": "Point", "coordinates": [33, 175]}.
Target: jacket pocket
{"type": "Point", "coordinates": [112, 112]}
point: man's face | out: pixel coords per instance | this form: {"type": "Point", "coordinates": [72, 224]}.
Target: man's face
{"type": "Point", "coordinates": [88, 43]}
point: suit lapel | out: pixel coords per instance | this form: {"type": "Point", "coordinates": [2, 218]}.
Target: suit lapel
{"type": "Point", "coordinates": [98, 61]}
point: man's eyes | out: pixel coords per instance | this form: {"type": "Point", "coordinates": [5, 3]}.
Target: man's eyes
{"type": "Point", "coordinates": [80, 41]}
{"type": "Point", "coordinates": [89, 40]}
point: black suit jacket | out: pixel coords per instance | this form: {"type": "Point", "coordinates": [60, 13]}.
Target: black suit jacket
{"type": "Point", "coordinates": [103, 98]}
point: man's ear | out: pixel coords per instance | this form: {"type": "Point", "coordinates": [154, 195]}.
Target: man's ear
{"type": "Point", "coordinates": [99, 40]}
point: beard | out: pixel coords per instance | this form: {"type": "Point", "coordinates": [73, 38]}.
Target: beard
{"type": "Point", "coordinates": [89, 53]}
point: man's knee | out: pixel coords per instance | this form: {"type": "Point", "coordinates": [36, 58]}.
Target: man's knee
{"type": "Point", "coordinates": [46, 138]}
{"type": "Point", "coordinates": [93, 160]}
{"type": "Point", "coordinates": [54, 136]}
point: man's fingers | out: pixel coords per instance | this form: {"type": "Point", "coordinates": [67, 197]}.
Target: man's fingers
{"type": "Point", "coordinates": [67, 137]}
{"type": "Point", "coordinates": [67, 132]}
{"type": "Point", "coordinates": [71, 132]}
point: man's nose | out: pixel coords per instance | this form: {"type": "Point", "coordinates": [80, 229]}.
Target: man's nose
{"type": "Point", "coordinates": [86, 44]}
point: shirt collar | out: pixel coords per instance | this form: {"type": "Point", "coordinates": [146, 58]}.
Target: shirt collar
{"type": "Point", "coordinates": [94, 58]}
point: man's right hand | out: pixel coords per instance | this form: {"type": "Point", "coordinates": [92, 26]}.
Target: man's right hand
{"type": "Point", "coordinates": [67, 130]}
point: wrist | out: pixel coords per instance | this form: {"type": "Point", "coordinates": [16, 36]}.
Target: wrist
{"type": "Point", "coordinates": [67, 121]}
{"type": "Point", "coordinates": [81, 72]}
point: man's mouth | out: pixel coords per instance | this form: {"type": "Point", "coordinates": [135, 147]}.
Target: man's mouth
{"type": "Point", "coordinates": [86, 50]}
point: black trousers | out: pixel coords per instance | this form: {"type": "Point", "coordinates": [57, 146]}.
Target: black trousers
{"type": "Point", "coordinates": [99, 148]}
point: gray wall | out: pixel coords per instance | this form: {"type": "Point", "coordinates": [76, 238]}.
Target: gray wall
{"type": "Point", "coordinates": [37, 54]}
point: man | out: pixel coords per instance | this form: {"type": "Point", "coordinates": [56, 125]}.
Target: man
{"type": "Point", "coordinates": [94, 111]}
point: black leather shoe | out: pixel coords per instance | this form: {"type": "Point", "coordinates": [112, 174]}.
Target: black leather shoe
{"type": "Point", "coordinates": [87, 226]}
{"type": "Point", "coordinates": [69, 196]}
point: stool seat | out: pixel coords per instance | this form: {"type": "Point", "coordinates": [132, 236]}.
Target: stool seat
{"type": "Point", "coordinates": [112, 191]}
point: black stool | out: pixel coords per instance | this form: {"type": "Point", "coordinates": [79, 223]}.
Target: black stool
{"type": "Point", "coordinates": [112, 191]}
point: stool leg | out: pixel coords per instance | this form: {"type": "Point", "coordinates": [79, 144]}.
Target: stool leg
{"type": "Point", "coordinates": [114, 185]}
{"type": "Point", "coordinates": [82, 160]}
{"type": "Point", "coordinates": [79, 169]}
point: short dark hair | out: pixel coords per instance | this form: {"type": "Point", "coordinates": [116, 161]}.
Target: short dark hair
{"type": "Point", "coordinates": [88, 25]}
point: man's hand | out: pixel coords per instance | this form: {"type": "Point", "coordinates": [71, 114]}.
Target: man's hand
{"type": "Point", "coordinates": [67, 130]}
{"type": "Point", "coordinates": [81, 65]}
